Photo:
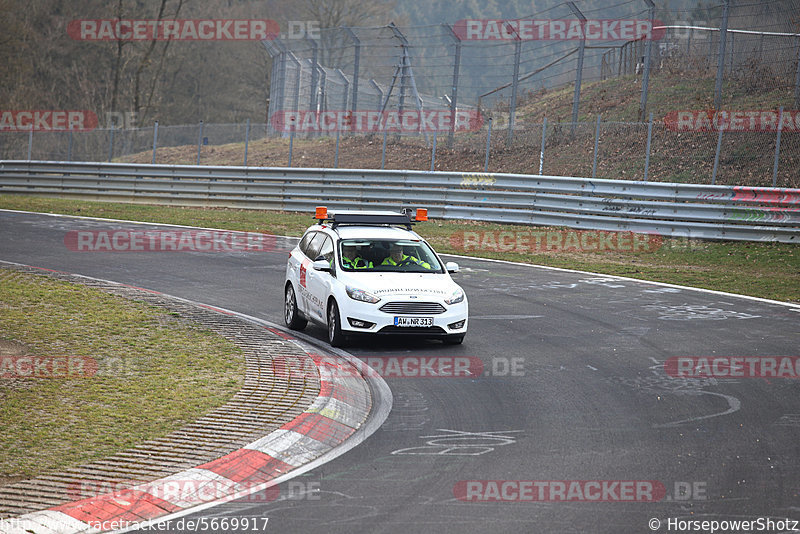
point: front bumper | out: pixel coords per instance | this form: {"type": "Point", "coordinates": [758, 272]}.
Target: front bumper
{"type": "Point", "coordinates": [383, 323]}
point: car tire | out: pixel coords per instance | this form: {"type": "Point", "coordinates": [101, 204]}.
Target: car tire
{"type": "Point", "coordinates": [335, 336]}
{"type": "Point", "coordinates": [291, 315]}
{"type": "Point", "coordinates": [454, 340]}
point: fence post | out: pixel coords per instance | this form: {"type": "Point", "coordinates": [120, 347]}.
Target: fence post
{"type": "Point", "coordinates": [30, 143]}
{"type": "Point", "coordinates": [512, 108]}
{"type": "Point", "coordinates": [723, 31]}
{"type": "Point", "coordinates": [111, 143]}
{"type": "Point", "coordinates": [336, 157]}
{"type": "Point", "coordinates": [383, 151]}
{"type": "Point", "coordinates": [576, 98]}
{"type": "Point", "coordinates": [797, 79]}
{"type": "Point", "coordinates": [69, 147]}
{"type": "Point", "coordinates": [314, 73]}
{"type": "Point", "coordinates": [716, 156]}
{"type": "Point", "coordinates": [246, 141]}
{"type": "Point", "coordinates": [777, 148]}
{"type": "Point", "coordinates": [291, 146]}
{"type": "Point", "coordinates": [155, 141]}
{"type": "Point", "coordinates": [649, 139]}
{"type": "Point", "coordinates": [277, 52]}
{"type": "Point", "coordinates": [356, 63]}
{"type": "Point", "coordinates": [596, 144]}
{"type": "Point", "coordinates": [433, 152]}
{"type": "Point", "coordinates": [647, 58]}
{"type": "Point", "coordinates": [541, 152]}
{"type": "Point", "coordinates": [733, 43]}
{"type": "Point", "coordinates": [488, 145]}
{"type": "Point", "coordinates": [454, 96]}
{"type": "Point", "coordinates": [377, 88]}
{"type": "Point", "coordinates": [297, 78]}
{"type": "Point", "coordinates": [199, 142]}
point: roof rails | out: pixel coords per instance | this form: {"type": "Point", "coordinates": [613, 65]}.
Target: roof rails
{"type": "Point", "coordinates": [369, 217]}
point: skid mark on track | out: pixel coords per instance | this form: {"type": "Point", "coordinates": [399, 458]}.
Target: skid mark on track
{"type": "Point", "coordinates": [660, 383]}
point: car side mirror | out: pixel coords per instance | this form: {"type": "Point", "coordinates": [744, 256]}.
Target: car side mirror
{"type": "Point", "coordinates": [321, 265]}
{"type": "Point", "coordinates": [452, 267]}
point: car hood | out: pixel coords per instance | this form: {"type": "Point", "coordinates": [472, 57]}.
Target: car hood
{"type": "Point", "coordinates": [386, 285]}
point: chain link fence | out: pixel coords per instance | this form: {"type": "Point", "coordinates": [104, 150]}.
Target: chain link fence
{"type": "Point", "coordinates": [599, 149]}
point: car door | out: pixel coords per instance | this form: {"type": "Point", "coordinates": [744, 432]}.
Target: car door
{"type": "Point", "coordinates": [300, 263]}
{"type": "Point", "coordinates": [318, 283]}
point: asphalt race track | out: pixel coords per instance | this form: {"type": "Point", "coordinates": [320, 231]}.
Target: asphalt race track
{"type": "Point", "coordinates": [573, 388]}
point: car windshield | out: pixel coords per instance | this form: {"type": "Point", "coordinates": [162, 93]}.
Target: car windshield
{"type": "Point", "coordinates": [379, 255]}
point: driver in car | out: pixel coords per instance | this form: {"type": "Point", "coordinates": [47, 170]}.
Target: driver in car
{"type": "Point", "coordinates": [397, 257]}
{"type": "Point", "coordinates": [351, 259]}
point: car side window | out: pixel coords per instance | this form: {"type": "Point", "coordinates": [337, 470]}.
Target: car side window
{"type": "Point", "coordinates": [326, 249]}
{"type": "Point", "coordinates": [313, 248]}
{"type": "Point", "coordinates": [306, 241]}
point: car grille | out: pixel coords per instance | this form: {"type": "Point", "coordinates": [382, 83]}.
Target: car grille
{"type": "Point", "coordinates": [429, 330]}
{"type": "Point", "coordinates": [422, 308]}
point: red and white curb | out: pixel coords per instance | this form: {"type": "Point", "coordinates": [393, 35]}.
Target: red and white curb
{"type": "Point", "coordinates": [339, 414]}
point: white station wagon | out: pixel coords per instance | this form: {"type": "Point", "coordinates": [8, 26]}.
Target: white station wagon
{"type": "Point", "coordinates": [368, 272]}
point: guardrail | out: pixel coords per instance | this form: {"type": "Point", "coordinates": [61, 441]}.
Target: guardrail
{"type": "Point", "coordinates": [667, 209]}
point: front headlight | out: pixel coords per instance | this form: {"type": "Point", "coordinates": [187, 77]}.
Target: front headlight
{"type": "Point", "coordinates": [455, 297]}
{"type": "Point", "coordinates": [360, 294]}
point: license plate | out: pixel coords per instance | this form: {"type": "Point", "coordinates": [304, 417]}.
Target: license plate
{"type": "Point", "coordinates": [413, 321]}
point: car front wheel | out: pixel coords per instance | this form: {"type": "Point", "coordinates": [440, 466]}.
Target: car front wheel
{"type": "Point", "coordinates": [290, 314]}
{"type": "Point", "coordinates": [335, 336]}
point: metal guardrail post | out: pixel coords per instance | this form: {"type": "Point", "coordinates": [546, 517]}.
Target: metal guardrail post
{"type": "Point", "coordinates": [541, 152]}
{"type": "Point", "coordinates": [488, 146]}
{"type": "Point", "coordinates": [596, 146]}
{"type": "Point", "coordinates": [777, 148]}
{"type": "Point", "coordinates": [155, 141]}
{"type": "Point", "coordinates": [647, 153]}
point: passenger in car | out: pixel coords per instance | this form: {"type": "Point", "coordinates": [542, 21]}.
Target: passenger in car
{"type": "Point", "coordinates": [398, 257]}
